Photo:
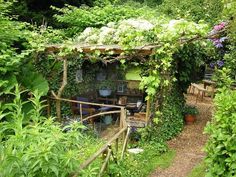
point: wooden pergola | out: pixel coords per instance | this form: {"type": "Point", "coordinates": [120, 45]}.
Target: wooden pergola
{"type": "Point", "coordinates": [112, 50]}
{"type": "Point", "coordinates": [125, 127]}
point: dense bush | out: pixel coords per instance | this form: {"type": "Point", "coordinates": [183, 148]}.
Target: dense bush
{"type": "Point", "coordinates": [221, 146]}
{"type": "Point", "coordinates": [171, 118]}
{"type": "Point", "coordinates": [77, 19]}
{"type": "Point", "coordinates": [193, 9]}
{"type": "Point", "coordinates": [39, 146]}
{"type": "Point", "coordinates": [168, 121]}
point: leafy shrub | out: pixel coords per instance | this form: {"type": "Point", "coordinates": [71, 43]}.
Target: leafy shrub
{"type": "Point", "coordinates": [40, 147]}
{"type": "Point", "coordinates": [193, 9]}
{"type": "Point", "coordinates": [221, 146]}
{"type": "Point", "coordinates": [77, 19]}
{"type": "Point", "coordinates": [168, 121]}
{"type": "Point", "coordinates": [171, 119]}
{"type": "Point", "coordinates": [190, 110]}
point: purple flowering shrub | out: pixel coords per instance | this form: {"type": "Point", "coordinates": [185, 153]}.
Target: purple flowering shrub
{"type": "Point", "coordinates": [216, 39]}
{"type": "Point", "coordinates": [217, 64]}
{"type": "Point", "coordinates": [219, 39]}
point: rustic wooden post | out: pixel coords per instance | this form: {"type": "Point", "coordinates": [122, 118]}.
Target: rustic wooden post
{"type": "Point", "coordinates": [123, 120]}
{"type": "Point", "coordinates": [104, 165]}
{"type": "Point", "coordinates": [60, 91]}
{"type": "Point", "coordinates": [122, 117]}
{"type": "Point", "coordinates": [48, 107]}
{"type": "Point", "coordinates": [117, 145]}
{"type": "Point", "coordinates": [81, 112]}
{"type": "Point", "coordinates": [125, 143]}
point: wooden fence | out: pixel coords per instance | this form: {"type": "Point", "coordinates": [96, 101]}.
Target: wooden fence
{"type": "Point", "coordinates": [107, 149]}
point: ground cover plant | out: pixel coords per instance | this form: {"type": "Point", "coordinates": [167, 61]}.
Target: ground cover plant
{"type": "Point", "coordinates": [199, 170]}
{"type": "Point", "coordinates": [142, 164]}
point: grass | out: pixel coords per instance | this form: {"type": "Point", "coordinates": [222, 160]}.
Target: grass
{"type": "Point", "coordinates": [141, 165]}
{"type": "Point", "coordinates": [199, 170]}
{"type": "Point", "coordinates": [165, 160]}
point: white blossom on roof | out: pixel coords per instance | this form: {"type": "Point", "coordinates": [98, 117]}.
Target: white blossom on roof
{"type": "Point", "coordinates": [105, 32]}
{"type": "Point", "coordinates": [139, 24]}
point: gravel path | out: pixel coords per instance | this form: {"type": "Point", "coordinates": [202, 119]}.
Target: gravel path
{"type": "Point", "coordinates": [189, 144]}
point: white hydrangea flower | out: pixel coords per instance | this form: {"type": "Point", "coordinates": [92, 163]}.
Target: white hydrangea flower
{"type": "Point", "coordinates": [139, 24]}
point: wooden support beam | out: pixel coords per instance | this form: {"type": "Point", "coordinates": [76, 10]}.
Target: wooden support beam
{"type": "Point", "coordinates": [100, 114]}
{"type": "Point", "coordinates": [81, 113]}
{"type": "Point", "coordinates": [83, 102]}
{"type": "Point", "coordinates": [61, 89]}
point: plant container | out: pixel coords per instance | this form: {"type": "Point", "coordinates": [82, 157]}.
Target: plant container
{"type": "Point", "coordinates": [189, 119]}
{"type": "Point", "coordinates": [105, 92]}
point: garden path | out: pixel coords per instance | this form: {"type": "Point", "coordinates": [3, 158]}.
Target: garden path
{"type": "Point", "coordinates": [189, 144]}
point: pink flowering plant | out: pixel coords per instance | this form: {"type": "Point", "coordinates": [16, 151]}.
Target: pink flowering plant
{"type": "Point", "coordinates": [216, 34]}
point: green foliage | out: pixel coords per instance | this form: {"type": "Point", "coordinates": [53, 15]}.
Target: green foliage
{"type": "Point", "coordinates": [190, 110]}
{"type": "Point", "coordinates": [19, 42]}
{"type": "Point", "coordinates": [199, 170]}
{"type": "Point", "coordinates": [220, 147]}
{"type": "Point", "coordinates": [77, 19]}
{"type": "Point", "coordinates": [40, 147]}
{"type": "Point", "coordinates": [39, 12]}
{"type": "Point", "coordinates": [171, 119]}
{"type": "Point", "coordinates": [106, 84]}
{"type": "Point", "coordinates": [33, 81]}
{"type": "Point", "coordinates": [168, 121]}
{"type": "Point", "coordinates": [196, 10]}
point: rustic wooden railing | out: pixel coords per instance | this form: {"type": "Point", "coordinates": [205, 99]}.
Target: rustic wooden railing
{"type": "Point", "coordinates": [107, 149]}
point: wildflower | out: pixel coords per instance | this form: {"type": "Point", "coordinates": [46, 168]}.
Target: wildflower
{"type": "Point", "coordinates": [220, 63]}
{"type": "Point", "coordinates": [212, 64]}
{"type": "Point", "coordinates": [223, 39]}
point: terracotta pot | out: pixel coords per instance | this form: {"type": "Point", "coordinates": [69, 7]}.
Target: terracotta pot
{"type": "Point", "coordinates": [189, 119]}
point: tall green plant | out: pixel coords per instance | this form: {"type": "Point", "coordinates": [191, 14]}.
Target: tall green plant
{"type": "Point", "coordinates": [220, 148]}
{"type": "Point", "coordinates": [39, 147]}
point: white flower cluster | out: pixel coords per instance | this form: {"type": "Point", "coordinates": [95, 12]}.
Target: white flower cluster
{"type": "Point", "coordinates": [137, 32]}
{"type": "Point", "coordinates": [111, 34]}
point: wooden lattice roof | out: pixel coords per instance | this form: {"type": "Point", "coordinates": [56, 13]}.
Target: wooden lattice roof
{"type": "Point", "coordinates": [114, 49]}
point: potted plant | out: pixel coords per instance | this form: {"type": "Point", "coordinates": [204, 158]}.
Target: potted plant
{"type": "Point", "coordinates": [190, 113]}
{"type": "Point", "coordinates": [105, 88]}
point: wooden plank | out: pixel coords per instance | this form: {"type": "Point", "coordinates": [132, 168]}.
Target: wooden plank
{"type": "Point", "coordinates": [100, 114]}
{"type": "Point", "coordinates": [87, 103]}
